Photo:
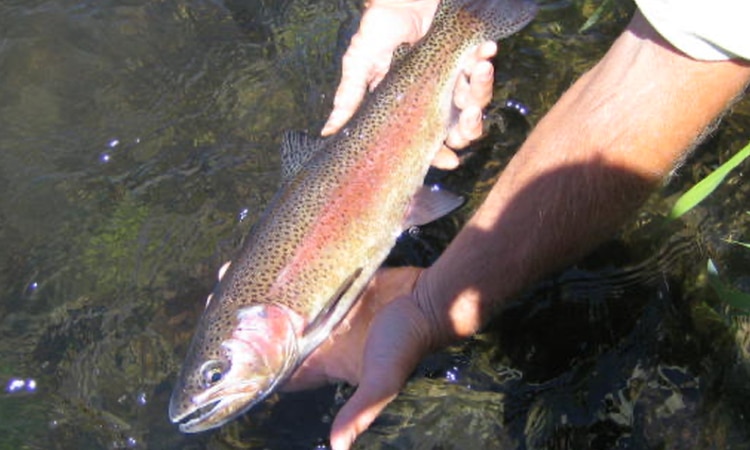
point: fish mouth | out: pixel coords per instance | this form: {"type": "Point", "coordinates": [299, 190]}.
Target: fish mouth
{"type": "Point", "coordinates": [215, 413]}
{"type": "Point", "coordinates": [189, 423]}
{"type": "Point", "coordinates": [223, 404]}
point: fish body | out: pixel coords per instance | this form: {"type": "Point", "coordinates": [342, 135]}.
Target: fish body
{"type": "Point", "coordinates": [342, 204]}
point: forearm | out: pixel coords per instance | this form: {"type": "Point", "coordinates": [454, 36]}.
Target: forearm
{"type": "Point", "coordinates": [588, 165]}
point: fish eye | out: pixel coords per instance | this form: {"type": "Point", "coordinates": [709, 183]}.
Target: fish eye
{"type": "Point", "coordinates": [212, 372]}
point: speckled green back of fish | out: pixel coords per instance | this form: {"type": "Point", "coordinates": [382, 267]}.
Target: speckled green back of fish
{"type": "Point", "coordinates": [342, 204]}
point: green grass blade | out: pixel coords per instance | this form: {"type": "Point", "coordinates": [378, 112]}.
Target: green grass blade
{"type": "Point", "coordinates": [731, 297]}
{"type": "Point", "coordinates": [596, 16]}
{"type": "Point", "coordinates": [732, 241]}
{"type": "Point", "coordinates": [706, 186]}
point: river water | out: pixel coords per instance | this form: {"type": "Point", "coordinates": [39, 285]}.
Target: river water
{"type": "Point", "coordinates": [138, 143]}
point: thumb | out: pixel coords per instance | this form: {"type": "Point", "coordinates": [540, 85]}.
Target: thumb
{"type": "Point", "coordinates": [397, 341]}
{"type": "Point", "coordinates": [359, 412]}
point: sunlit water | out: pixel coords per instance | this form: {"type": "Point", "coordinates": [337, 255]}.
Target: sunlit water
{"type": "Point", "coordinates": [138, 142]}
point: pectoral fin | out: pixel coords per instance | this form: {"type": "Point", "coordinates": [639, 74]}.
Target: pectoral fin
{"type": "Point", "coordinates": [331, 310]}
{"type": "Point", "coordinates": [430, 203]}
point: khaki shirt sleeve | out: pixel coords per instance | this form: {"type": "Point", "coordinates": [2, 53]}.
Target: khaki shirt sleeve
{"type": "Point", "coordinates": [703, 29]}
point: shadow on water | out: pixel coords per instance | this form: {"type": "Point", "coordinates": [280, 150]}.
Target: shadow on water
{"type": "Point", "coordinates": [137, 145]}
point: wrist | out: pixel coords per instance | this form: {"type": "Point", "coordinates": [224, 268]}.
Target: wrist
{"type": "Point", "coordinates": [454, 309]}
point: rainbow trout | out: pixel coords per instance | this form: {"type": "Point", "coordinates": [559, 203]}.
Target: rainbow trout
{"type": "Point", "coordinates": [342, 204]}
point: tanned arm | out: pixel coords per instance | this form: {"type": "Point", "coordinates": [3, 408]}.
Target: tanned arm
{"type": "Point", "coordinates": [588, 165]}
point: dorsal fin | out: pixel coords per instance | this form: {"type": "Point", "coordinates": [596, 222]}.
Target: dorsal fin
{"type": "Point", "coordinates": [297, 147]}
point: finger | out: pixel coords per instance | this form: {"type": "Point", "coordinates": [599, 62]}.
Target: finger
{"type": "Point", "coordinates": [474, 89]}
{"type": "Point", "coordinates": [486, 50]}
{"type": "Point", "coordinates": [399, 337]}
{"type": "Point", "coordinates": [468, 128]}
{"type": "Point", "coordinates": [383, 374]}
{"type": "Point", "coordinates": [474, 86]}
{"type": "Point", "coordinates": [462, 91]}
{"type": "Point", "coordinates": [382, 377]}
{"type": "Point", "coordinates": [357, 415]}
{"type": "Point", "coordinates": [482, 73]}
{"type": "Point", "coordinates": [480, 84]}
{"type": "Point", "coordinates": [446, 159]}
{"type": "Point", "coordinates": [356, 69]}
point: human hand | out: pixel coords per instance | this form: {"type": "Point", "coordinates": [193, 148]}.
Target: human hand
{"type": "Point", "coordinates": [368, 59]}
{"type": "Point", "coordinates": [376, 347]}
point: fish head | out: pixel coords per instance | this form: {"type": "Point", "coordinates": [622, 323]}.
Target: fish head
{"type": "Point", "coordinates": [223, 378]}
